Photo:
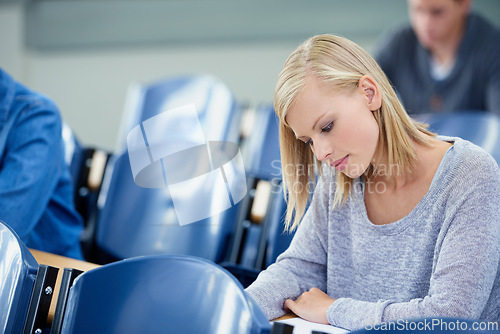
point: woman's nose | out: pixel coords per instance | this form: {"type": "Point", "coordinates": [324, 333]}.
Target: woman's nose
{"type": "Point", "coordinates": [322, 150]}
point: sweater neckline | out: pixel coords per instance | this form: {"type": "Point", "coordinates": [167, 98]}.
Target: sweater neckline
{"type": "Point", "coordinates": [401, 224]}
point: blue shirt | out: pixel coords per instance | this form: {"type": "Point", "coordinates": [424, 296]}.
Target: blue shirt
{"type": "Point", "coordinates": [36, 193]}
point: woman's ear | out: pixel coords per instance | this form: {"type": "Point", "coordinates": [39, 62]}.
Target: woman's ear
{"type": "Point", "coordinates": [369, 89]}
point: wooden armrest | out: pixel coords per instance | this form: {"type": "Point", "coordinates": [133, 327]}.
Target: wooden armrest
{"type": "Point", "coordinates": [96, 172]}
{"type": "Point", "coordinates": [286, 316]}
{"type": "Point", "coordinates": [260, 201]}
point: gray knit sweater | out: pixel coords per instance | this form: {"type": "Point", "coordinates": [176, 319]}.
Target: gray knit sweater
{"type": "Point", "coordinates": [442, 259]}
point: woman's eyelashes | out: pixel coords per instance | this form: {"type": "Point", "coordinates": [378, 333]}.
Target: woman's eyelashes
{"type": "Point", "coordinates": [327, 128]}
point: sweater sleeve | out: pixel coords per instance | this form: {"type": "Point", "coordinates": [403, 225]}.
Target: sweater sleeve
{"type": "Point", "coordinates": [302, 266]}
{"type": "Point", "coordinates": [466, 263]}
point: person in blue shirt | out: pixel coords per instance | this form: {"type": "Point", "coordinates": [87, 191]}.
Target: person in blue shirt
{"type": "Point", "coordinates": [36, 192]}
{"type": "Point", "coordinates": [448, 59]}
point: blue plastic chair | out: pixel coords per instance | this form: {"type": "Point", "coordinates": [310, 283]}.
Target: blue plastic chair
{"type": "Point", "coordinates": [18, 270]}
{"type": "Point", "coordinates": [86, 166]}
{"type": "Point", "coordinates": [262, 154]}
{"type": "Point", "coordinates": [135, 221]}
{"type": "Point", "coordinates": [161, 294]}
{"type": "Point", "coordinates": [480, 128]}
{"type": "Point", "coordinates": [265, 164]}
{"type": "Point", "coordinates": [277, 240]}
{"type": "Point", "coordinates": [256, 245]}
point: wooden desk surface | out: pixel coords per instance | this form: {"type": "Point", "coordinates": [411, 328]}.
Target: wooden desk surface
{"type": "Point", "coordinates": [60, 262]}
{"type": "Point", "coordinates": [286, 316]}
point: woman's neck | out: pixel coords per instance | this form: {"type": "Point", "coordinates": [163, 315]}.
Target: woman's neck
{"type": "Point", "coordinates": [427, 159]}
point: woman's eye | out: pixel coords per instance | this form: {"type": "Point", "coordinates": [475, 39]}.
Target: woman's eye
{"type": "Point", "coordinates": [309, 142]}
{"type": "Point", "coordinates": [327, 128]}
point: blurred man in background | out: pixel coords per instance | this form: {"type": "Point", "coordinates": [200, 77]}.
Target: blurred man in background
{"type": "Point", "coordinates": [447, 60]}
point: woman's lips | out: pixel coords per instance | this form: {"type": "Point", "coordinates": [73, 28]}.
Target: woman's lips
{"type": "Point", "coordinates": [341, 163]}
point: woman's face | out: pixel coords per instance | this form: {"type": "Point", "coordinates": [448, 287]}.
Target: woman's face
{"type": "Point", "coordinates": [340, 128]}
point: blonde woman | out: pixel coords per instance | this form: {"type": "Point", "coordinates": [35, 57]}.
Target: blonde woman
{"type": "Point", "coordinates": [402, 224]}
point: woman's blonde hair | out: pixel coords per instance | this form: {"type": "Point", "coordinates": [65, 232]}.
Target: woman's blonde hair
{"type": "Point", "coordinates": [341, 63]}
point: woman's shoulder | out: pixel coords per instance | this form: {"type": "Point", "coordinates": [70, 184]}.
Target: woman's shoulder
{"type": "Point", "coordinates": [467, 163]}
{"type": "Point", "coordinates": [468, 156]}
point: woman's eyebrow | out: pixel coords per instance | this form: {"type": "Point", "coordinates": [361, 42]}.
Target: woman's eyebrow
{"type": "Point", "coordinates": [318, 119]}
{"type": "Point", "coordinates": [313, 127]}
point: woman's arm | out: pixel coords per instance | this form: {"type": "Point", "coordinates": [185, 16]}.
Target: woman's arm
{"type": "Point", "coordinates": [302, 266]}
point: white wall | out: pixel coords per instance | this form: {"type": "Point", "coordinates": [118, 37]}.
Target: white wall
{"type": "Point", "coordinates": [12, 53]}
{"type": "Point", "coordinates": [90, 88]}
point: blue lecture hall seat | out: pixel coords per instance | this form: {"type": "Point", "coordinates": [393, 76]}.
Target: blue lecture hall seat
{"type": "Point", "coordinates": [262, 149]}
{"type": "Point", "coordinates": [17, 273]}
{"type": "Point", "coordinates": [24, 303]}
{"type": "Point", "coordinates": [260, 238]}
{"type": "Point", "coordinates": [133, 220]}
{"type": "Point", "coordinates": [479, 127]}
{"type": "Point", "coordinates": [161, 294]}
{"type": "Point", "coordinates": [277, 240]}
{"type": "Point", "coordinates": [86, 166]}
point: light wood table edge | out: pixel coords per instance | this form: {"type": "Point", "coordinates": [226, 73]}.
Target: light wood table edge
{"type": "Point", "coordinates": [285, 317]}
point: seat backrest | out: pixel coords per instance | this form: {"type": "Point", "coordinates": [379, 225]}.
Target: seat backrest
{"type": "Point", "coordinates": [277, 239]}
{"type": "Point", "coordinates": [262, 151]}
{"type": "Point", "coordinates": [86, 165]}
{"type": "Point", "coordinates": [480, 128]}
{"type": "Point", "coordinates": [18, 270]}
{"type": "Point", "coordinates": [161, 294]}
{"type": "Point", "coordinates": [260, 238]}
{"type": "Point", "coordinates": [136, 221]}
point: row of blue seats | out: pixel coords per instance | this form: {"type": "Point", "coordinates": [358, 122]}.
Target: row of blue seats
{"type": "Point", "coordinates": [150, 294]}
{"type": "Point", "coordinates": [125, 220]}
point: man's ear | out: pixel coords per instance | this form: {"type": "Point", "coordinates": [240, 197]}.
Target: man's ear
{"type": "Point", "coordinates": [369, 89]}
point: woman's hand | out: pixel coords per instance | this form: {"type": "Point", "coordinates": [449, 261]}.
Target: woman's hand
{"type": "Point", "coordinates": [311, 305]}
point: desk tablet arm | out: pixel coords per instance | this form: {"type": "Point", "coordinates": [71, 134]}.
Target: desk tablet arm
{"type": "Point", "coordinates": [68, 277]}
{"type": "Point", "coordinates": [38, 310]}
